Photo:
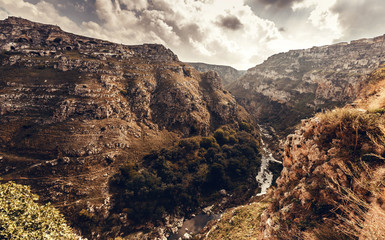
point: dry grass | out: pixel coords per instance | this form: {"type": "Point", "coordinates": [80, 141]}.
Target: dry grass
{"type": "Point", "coordinates": [360, 137]}
{"type": "Point", "coordinates": [372, 95]}
{"type": "Point", "coordinates": [361, 218]}
{"type": "Point", "coordinates": [353, 126]}
{"type": "Point", "coordinates": [241, 223]}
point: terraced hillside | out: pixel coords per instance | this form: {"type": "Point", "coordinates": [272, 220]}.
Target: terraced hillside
{"type": "Point", "coordinates": [74, 109]}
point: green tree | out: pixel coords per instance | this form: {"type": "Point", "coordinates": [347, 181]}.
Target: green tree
{"type": "Point", "coordinates": [22, 218]}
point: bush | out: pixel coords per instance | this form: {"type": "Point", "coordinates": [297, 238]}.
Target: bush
{"type": "Point", "coordinates": [244, 126]}
{"type": "Point", "coordinates": [22, 218]}
{"type": "Point", "coordinates": [208, 142]}
{"type": "Point", "coordinates": [352, 127]}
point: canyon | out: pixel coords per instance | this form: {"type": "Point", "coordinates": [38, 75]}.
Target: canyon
{"type": "Point", "coordinates": [129, 142]}
{"type": "Point", "coordinates": [73, 110]}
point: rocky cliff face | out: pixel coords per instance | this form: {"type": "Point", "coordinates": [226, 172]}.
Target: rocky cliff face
{"type": "Point", "coordinates": [73, 108]}
{"type": "Point", "coordinates": [227, 74]}
{"type": "Point", "coordinates": [55, 78]}
{"type": "Point", "coordinates": [332, 185]}
{"type": "Point", "coordinates": [291, 86]}
{"type": "Point", "coordinates": [327, 187]}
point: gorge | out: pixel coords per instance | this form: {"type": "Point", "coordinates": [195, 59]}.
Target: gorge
{"type": "Point", "coordinates": [128, 142]}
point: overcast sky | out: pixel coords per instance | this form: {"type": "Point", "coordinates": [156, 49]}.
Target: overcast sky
{"type": "Point", "coordinates": [239, 33]}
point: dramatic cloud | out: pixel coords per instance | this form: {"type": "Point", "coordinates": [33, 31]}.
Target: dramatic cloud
{"type": "Point", "coordinates": [195, 30]}
{"type": "Point", "coordinates": [230, 22]}
{"type": "Point", "coordinates": [41, 12]}
{"type": "Point", "coordinates": [321, 15]}
{"type": "Point", "coordinates": [240, 33]}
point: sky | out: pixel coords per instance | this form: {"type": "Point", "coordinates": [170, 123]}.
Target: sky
{"type": "Point", "coordinates": [238, 33]}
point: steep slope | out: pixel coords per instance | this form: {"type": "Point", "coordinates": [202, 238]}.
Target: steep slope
{"type": "Point", "coordinates": [73, 109]}
{"type": "Point", "coordinates": [294, 85]}
{"type": "Point", "coordinates": [333, 180]}
{"type": "Point", "coordinates": [332, 185]}
{"type": "Point", "coordinates": [227, 74]}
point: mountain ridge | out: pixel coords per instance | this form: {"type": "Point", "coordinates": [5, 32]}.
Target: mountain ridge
{"type": "Point", "coordinates": [294, 85]}
{"type": "Point", "coordinates": [228, 74]}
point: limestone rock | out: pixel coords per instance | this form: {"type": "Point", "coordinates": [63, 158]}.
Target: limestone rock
{"type": "Point", "coordinates": [291, 86]}
{"type": "Point", "coordinates": [226, 73]}
{"type": "Point", "coordinates": [73, 109]}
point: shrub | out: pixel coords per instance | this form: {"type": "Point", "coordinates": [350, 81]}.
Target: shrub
{"type": "Point", "coordinates": [244, 126]}
{"type": "Point", "coordinates": [352, 127]}
{"type": "Point", "coordinates": [221, 136]}
{"type": "Point", "coordinates": [22, 218]}
{"type": "Point", "coordinates": [208, 142]}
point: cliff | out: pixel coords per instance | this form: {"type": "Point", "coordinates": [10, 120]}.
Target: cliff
{"type": "Point", "coordinates": [228, 74]}
{"type": "Point", "coordinates": [74, 109]}
{"type": "Point", "coordinates": [53, 78]}
{"type": "Point", "coordinates": [332, 185]}
{"type": "Point", "coordinates": [291, 86]}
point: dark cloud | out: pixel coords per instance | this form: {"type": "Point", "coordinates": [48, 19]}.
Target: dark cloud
{"type": "Point", "coordinates": [187, 32]}
{"type": "Point", "coordinates": [230, 22]}
{"type": "Point", "coordinates": [278, 3]}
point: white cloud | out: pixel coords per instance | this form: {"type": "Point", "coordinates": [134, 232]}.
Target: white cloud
{"type": "Point", "coordinates": [40, 12]}
{"type": "Point", "coordinates": [321, 16]}
{"type": "Point", "coordinates": [225, 32]}
{"type": "Point", "coordinates": [3, 14]}
{"type": "Point", "coordinates": [360, 18]}
{"type": "Point", "coordinates": [135, 4]}
{"type": "Point", "coordinates": [189, 27]}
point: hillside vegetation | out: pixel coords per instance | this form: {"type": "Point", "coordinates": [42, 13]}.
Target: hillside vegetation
{"type": "Point", "coordinates": [75, 110]}
{"type": "Point", "coordinates": [197, 172]}
{"type": "Point", "coordinates": [21, 217]}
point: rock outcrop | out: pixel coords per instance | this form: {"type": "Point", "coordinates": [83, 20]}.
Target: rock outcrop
{"type": "Point", "coordinates": [55, 78]}
{"type": "Point", "coordinates": [294, 85]}
{"type": "Point", "coordinates": [73, 108]}
{"type": "Point", "coordinates": [227, 74]}
{"type": "Point", "coordinates": [332, 183]}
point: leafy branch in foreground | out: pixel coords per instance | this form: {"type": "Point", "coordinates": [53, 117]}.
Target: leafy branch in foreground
{"type": "Point", "coordinates": [21, 217]}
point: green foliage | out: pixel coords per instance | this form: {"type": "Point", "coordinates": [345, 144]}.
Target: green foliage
{"type": "Point", "coordinates": [180, 179]}
{"type": "Point", "coordinates": [22, 218]}
{"type": "Point", "coordinates": [225, 137]}
{"type": "Point", "coordinates": [244, 126]}
{"type": "Point", "coordinates": [208, 142]}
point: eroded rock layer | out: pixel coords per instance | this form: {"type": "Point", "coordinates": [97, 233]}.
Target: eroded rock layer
{"type": "Point", "coordinates": [73, 108]}
{"type": "Point", "coordinates": [294, 85]}
{"type": "Point", "coordinates": [227, 73]}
